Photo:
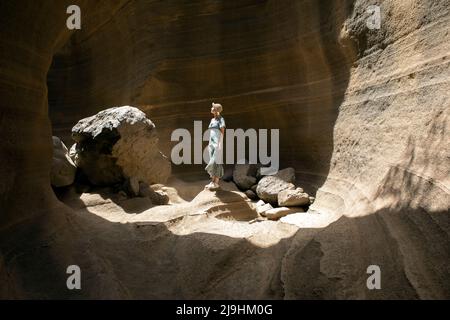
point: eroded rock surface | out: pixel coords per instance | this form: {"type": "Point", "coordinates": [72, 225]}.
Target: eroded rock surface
{"type": "Point", "coordinates": [363, 118]}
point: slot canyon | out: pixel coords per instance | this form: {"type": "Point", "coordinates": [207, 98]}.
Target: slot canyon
{"type": "Point", "coordinates": [362, 115]}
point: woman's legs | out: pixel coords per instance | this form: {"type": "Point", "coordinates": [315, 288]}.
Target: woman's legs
{"type": "Point", "coordinates": [214, 182]}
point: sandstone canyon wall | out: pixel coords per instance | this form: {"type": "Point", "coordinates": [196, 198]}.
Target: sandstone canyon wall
{"type": "Point", "coordinates": [363, 118]}
{"type": "Point", "coordinates": [270, 64]}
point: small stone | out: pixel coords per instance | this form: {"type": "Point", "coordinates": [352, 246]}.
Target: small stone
{"type": "Point", "coordinates": [293, 198]}
{"type": "Point", "coordinates": [311, 200]}
{"type": "Point", "coordinates": [260, 203]}
{"type": "Point", "coordinates": [277, 213]}
{"type": "Point", "coordinates": [63, 169]}
{"type": "Point", "coordinates": [122, 195]}
{"type": "Point", "coordinates": [259, 219]}
{"type": "Point", "coordinates": [73, 154]}
{"type": "Point", "coordinates": [262, 209]}
{"type": "Point", "coordinates": [251, 195]}
{"type": "Point", "coordinates": [159, 197]}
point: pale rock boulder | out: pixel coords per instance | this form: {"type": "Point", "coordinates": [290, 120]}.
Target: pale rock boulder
{"type": "Point", "coordinates": [293, 198]}
{"type": "Point", "coordinates": [63, 169]}
{"type": "Point", "coordinates": [269, 186]}
{"type": "Point", "coordinates": [117, 144]}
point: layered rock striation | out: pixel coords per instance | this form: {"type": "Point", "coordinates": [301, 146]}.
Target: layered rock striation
{"type": "Point", "coordinates": [363, 118]}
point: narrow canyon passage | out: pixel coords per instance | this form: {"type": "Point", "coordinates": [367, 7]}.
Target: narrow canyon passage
{"type": "Point", "coordinates": [363, 120]}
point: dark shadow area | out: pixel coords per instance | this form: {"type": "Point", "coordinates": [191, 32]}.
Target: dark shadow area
{"type": "Point", "coordinates": [408, 245]}
{"type": "Point", "coordinates": [71, 197]}
{"type": "Point", "coordinates": [150, 262]}
{"type": "Point", "coordinates": [67, 77]}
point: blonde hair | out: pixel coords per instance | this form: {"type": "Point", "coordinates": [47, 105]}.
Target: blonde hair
{"type": "Point", "coordinates": [217, 106]}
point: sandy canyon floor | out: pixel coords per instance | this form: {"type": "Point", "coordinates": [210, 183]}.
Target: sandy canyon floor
{"type": "Point", "coordinates": [225, 236]}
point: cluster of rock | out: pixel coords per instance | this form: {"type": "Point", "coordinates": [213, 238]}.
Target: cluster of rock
{"type": "Point", "coordinates": [277, 194]}
{"type": "Point", "coordinates": [116, 147]}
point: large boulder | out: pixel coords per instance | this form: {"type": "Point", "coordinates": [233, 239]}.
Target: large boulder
{"type": "Point", "coordinates": [63, 169]}
{"type": "Point", "coordinates": [269, 186]}
{"type": "Point", "coordinates": [118, 144]}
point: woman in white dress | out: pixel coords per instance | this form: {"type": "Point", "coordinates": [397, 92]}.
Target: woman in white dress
{"type": "Point", "coordinates": [217, 129]}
